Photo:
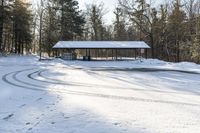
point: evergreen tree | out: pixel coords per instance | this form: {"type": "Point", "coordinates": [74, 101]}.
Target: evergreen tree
{"type": "Point", "coordinates": [22, 26]}
{"type": "Point", "coordinates": [50, 29]}
{"type": "Point", "coordinates": [195, 50]}
{"type": "Point", "coordinates": [176, 28]}
{"type": "Point", "coordinates": [71, 19]}
{"type": "Point", "coordinates": [163, 49]}
{"type": "Point", "coordinates": [5, 15]}
{"type": "Point", "coordinates": [1, 22]}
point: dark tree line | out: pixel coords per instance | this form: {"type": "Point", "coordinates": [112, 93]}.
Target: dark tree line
{"type": "Point", "coordinates": [61, 20]}
{"type": "Point", "coordinates": [15, 26]}
{"type": "Point", "coordinates": [171, 29]}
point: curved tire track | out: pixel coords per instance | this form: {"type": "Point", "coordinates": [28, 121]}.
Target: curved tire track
{"type": "Point", "coordinates": [30, 76]}
{"type": "Point", "coordinates": [105, 86]}
{"type": "Point", "coordinates": [5, 79]}
{"type": "Point", "coordinates": [96, 95]}
{"type": "Point", "coordinates": [14, 76]}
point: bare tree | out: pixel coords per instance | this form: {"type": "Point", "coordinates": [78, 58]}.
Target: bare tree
{"type": "Point", "coordinates": [94, 17]}
{"type": "Point", "coordinates": [140, 13]}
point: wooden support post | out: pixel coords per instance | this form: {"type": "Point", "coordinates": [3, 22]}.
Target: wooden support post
{"type": "Point", "coordinates": [116, 53]}
{"type": "Point", "coordinates": [106, 54]}
{"type": "Point", "coordinates": [89, 57]}
{"type": "Point", "coordinates": [102, 54]}
{"type": "Point", "coordinates": [56, 52]}
{"type": "Point", "coordinates": [112, 54]}
{"type": "Point", "coordinates": [96, 53]}
{"type": "Point", "coordinates": [146, 53]}
{"type": "Point", "coordinates": [135, 54]}
{"type": "Point", "coordinates": [121, 54]}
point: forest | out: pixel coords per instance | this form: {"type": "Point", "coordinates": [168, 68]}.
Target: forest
{"type": "Point", "coordinates": [172, 29]}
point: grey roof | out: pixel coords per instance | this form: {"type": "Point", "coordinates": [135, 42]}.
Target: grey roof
{"type": "Point", "coordinates": [100, 44]}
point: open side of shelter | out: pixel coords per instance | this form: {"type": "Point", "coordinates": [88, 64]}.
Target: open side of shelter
{"type": "Point", "coordinates": [94, 50]}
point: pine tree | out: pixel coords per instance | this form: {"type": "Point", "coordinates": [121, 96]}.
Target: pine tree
{"type": "Point", "coordinates": [195, 50]}
{"type": "Point", "coordinates": [176, 28]}
{"type": "Point", "coordinates": [22, 26]}
{"type": "Point", "coordinates": [71, 19]}
{"type": "Point", "coordinates": [163, 50]}
{"type": "Point", "coordinates": [50, 29]}
{"type": "Point", "coordinates": [5, 15]}
{"type": "Point", "coordinates": [1, 22]}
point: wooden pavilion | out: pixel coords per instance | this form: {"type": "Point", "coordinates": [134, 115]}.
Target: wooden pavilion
{"type": "Point", "coordinates": [88, 50]}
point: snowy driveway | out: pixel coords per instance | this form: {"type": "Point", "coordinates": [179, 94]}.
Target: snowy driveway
{"type": "Point", "coordinates": [76, 97]}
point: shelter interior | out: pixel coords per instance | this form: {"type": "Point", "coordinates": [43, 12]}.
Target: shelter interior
{"type": "Point", "coordinates": [101, 54]}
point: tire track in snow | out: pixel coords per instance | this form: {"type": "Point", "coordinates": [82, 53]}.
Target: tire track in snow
{"type": "Point", "coordinates": [124, 98]}
{"type": "Point", "coordinates": [14, 76]}
{"type": "Point", "coordinates": [107, 86]}
{"type": "Point", "coordinates": [5, 79]}
{"type": "Point", "coordinates": [30, 76]}
{"type": "Point", "coordinates": [98, 76]}
{"type": "Point", "coordinates": [96, 95]}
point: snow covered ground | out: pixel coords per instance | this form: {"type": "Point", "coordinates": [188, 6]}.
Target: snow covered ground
{"type": "Point", "coordinates": [98, 97]}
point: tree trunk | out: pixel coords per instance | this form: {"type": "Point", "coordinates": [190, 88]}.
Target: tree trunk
{"type": "Point", "coordinates": [22, 51]}
{"type": "Point", "coordinates": [19, 46]}
{"type": "Point", "coordinates": [62, 21]}
{"type": "Point", "coordinates": [1, 24]}
{"type": "Point", "coordinates": [152, 46]}
{"type": "Point", "coordinates": [16, 41]}
{"type": "Point", "coordinates": [178, 51]}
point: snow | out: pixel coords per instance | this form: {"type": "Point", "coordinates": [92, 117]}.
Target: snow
{"type": "Point", "coordinates": [101, 44]}
{"type": "Point", "coordinates": [57, 96]}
